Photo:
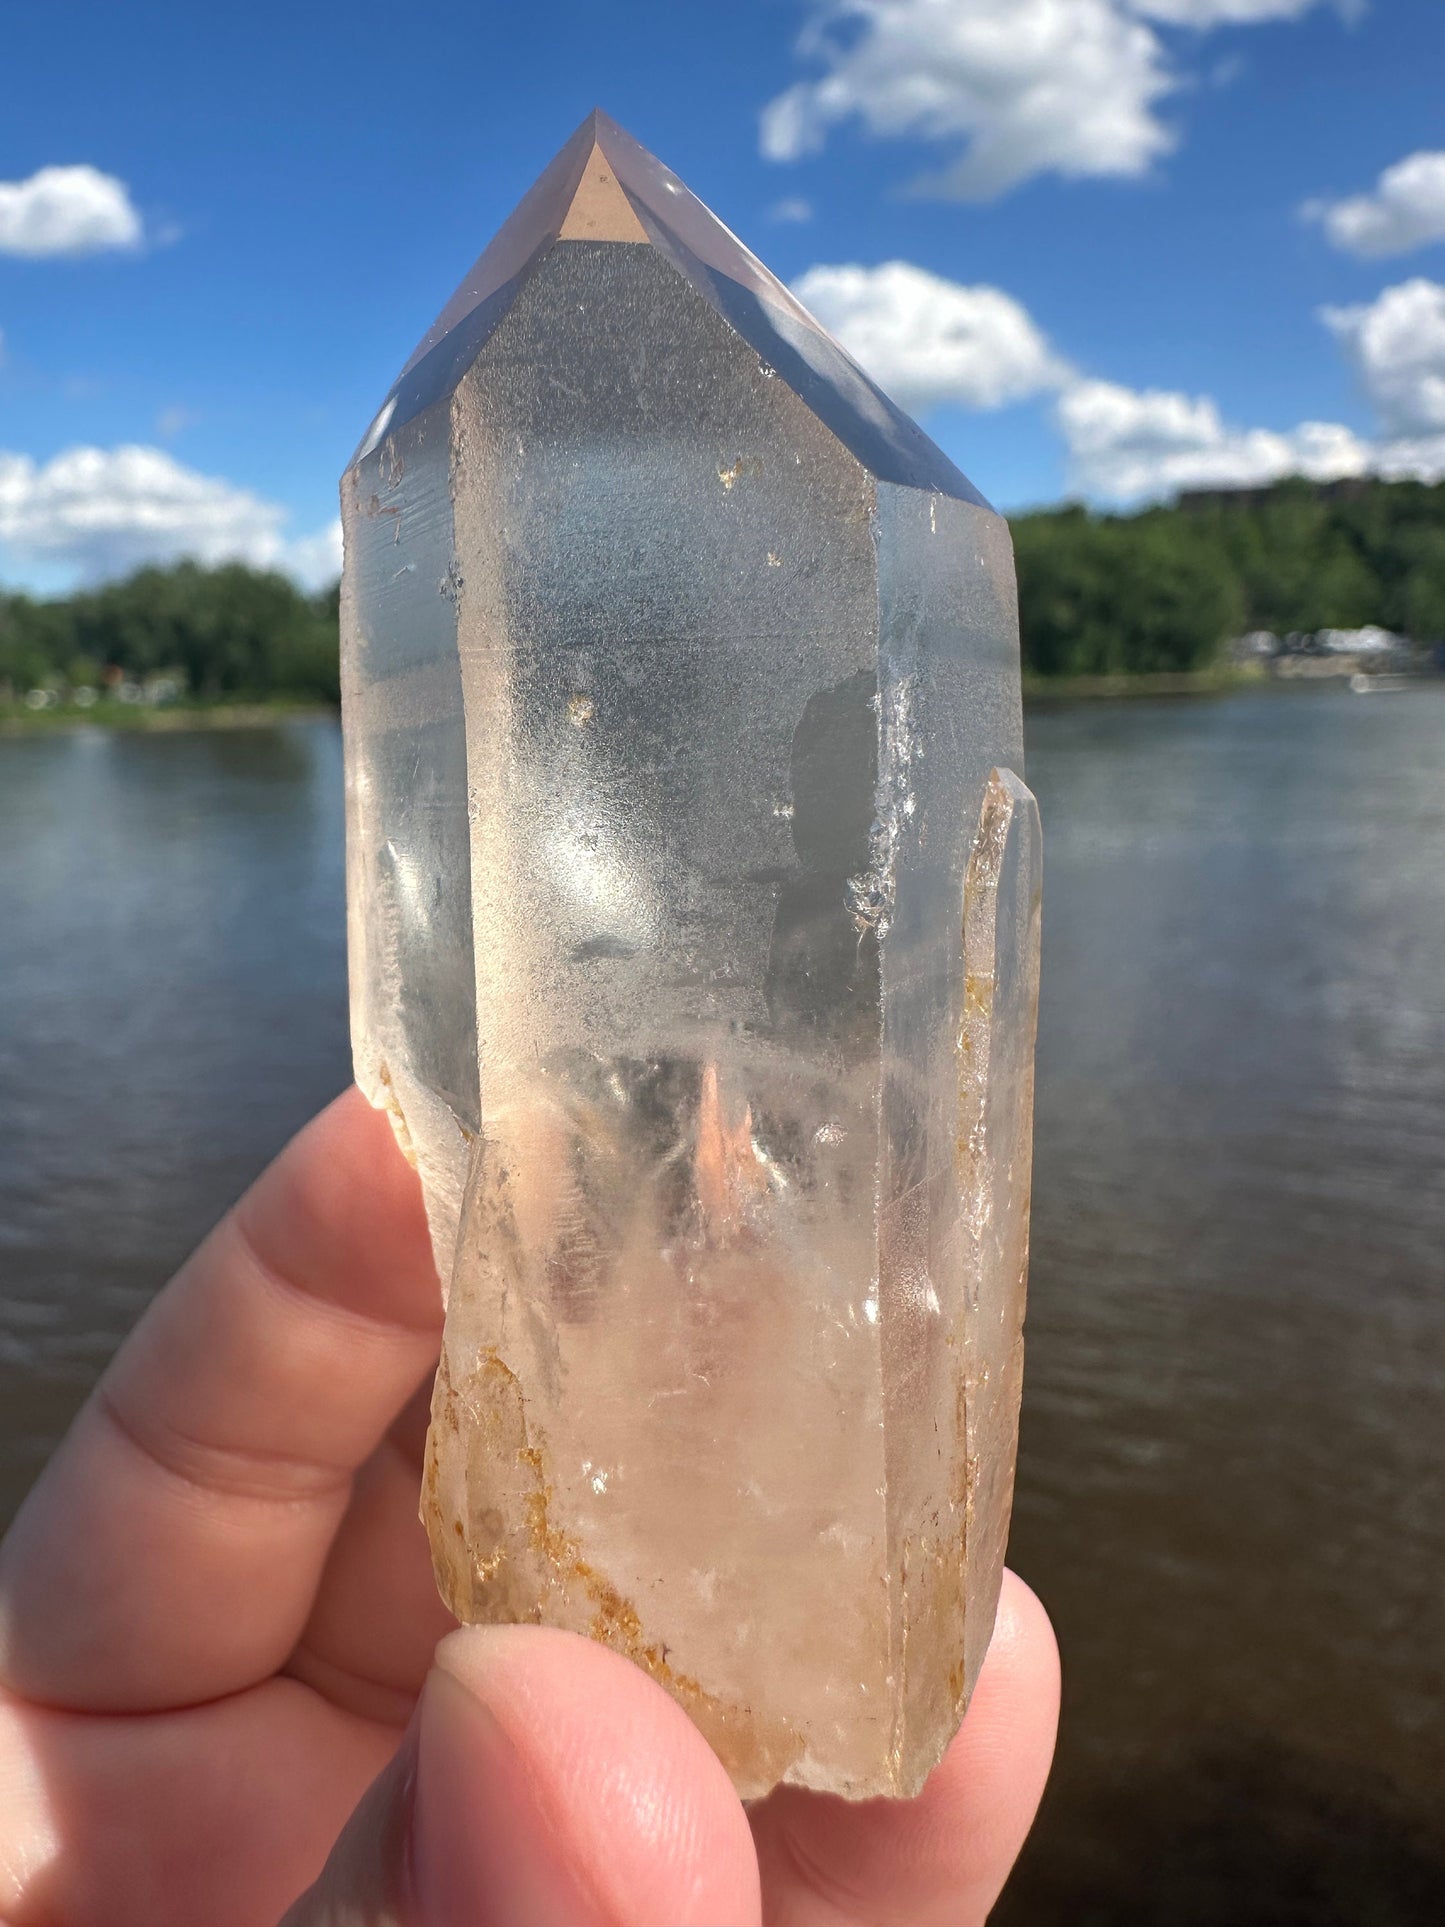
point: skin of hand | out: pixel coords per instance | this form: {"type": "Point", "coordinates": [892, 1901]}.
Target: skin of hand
{"type": "Point", "coordinates": [219, 1634]}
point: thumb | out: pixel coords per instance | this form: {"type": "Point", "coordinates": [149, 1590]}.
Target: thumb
{"type": "Point", "coordinates": [544, 1782]}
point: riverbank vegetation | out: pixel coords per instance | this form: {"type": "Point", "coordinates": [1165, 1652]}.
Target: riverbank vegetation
{"type": "Point", "coordinates": [1162, 591]}
{"type": "Point", "coordinates": [1152, 595]}
{"type": "Point", "coordinates": [172, 635]}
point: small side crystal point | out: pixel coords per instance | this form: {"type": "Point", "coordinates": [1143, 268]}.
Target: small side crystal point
{"type": "Point", "coordinates": [693, 928]}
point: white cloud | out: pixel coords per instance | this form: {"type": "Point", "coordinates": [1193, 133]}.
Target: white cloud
{"type": "Point", "coordinates": [793, 209]}
{"type": "Point", "coordinates": [1405, 210]}
{"type": "Point", "coordinates": [1126, 444]}
{"type": "Point", "coordinates": [1022, 87]}
{"type": "Point", "coordinates": [925, 340]}
{"type": "Point", "coordinates": [928, 341]}
{"type": "Point", "coordinates": [1026, 85]}
{"type": "Point", "coordinates": [1397, 343]}
{"type": "Point", "coordinates": [1230, 13]}
{"type": "Point", "coordinates": [1411, 458]}
{"type": "Point", "coordinates": [101, 512]}
{"type": "Point", "coordinates": [315, 560]}
{"type": "Point", "coordinates": [67, 210]}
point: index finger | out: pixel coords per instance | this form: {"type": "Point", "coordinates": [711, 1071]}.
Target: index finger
{"type": "Point", "coordinates": [170, 1551]}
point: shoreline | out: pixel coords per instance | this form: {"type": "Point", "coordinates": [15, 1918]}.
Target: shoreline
{"type": "Point", "coordinates": [1225, 679]}
{"type": "Point", "coordinates": [1043, 692]}
{"type": "Point", "coordinates": [1039, 692]}
{"type": "Point", "coordinates": [135, 718]}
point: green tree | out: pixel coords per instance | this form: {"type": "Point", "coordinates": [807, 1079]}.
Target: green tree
{"type": "Point", "coordinates": [1109, 596]}
{"type": "Point", "coordinates": [230, 632]}
{"type": "Point", "coordinates": [1164, 588]}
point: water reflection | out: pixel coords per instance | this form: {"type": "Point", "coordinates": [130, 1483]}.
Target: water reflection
{"type": "Point", "coordinates": [171, 1005]}
{"type": "Point", "coordinates": [1232, 1492]}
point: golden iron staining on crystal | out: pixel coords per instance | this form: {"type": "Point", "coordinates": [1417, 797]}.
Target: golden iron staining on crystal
{"type": "Point", "coordinates": [693, 926]}
{"type": "Point", "coordinates": [1001, 907]}
{"type": "Point", "coordinates": [474, 1582]}
{"type": "Point", "coordinates": [390, 1103]}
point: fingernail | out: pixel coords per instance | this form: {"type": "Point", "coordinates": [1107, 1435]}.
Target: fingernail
{"type": "Point", "coordinates": [486, 1852]}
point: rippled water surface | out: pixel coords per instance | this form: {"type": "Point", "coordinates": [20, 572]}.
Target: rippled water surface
{"type": "Point", "coordinates": [1232, 1487]}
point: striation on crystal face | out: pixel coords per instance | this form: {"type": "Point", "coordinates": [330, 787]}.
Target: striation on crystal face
{"type": "Point", "coordinates": [693, 929]}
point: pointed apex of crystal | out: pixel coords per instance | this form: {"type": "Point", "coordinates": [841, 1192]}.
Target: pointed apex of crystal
{"type": "Point", "coordinates": [599, 210]}
{"type": "Point", "coordinates": [605, 187]}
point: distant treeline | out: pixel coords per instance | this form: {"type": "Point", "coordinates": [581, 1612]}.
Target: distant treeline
{"type": "Point", "coordinates": [1161, 590]}
{"type": "Point", "coordinates": [1099, 594]}
{"type": "Point", "coordinates": [227, 633]}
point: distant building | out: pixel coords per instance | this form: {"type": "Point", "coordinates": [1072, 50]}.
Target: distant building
{"type": "Point", "coordinates": [1368, 651]}
{"type": "Point", "coordinates": [1369, 641]}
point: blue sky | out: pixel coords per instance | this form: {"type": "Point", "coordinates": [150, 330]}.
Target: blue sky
{"type": "Point", "coordinates": [1103, 248]}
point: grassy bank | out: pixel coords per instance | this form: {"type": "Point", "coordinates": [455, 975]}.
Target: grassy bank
{"type": "Point", "coordinates": [16, 720]}
{"type": "Point", "coordinates": [1217, 680]}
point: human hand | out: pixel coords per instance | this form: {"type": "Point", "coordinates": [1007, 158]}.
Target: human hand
{"type": "Point", "coordinates": [218, 1628]}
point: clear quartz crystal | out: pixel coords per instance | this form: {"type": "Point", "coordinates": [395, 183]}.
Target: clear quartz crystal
{"type": "Point", "coordinates": [694, 921]}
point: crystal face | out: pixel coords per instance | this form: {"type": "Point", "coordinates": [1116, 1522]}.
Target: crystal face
{"type": "Point", "coordinates": [694, 919]}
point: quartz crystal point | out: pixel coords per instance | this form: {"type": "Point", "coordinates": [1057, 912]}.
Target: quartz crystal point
{"type": "Point", "coordinates": [694, 913]}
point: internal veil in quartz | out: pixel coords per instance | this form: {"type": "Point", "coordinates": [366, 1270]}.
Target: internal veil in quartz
{"type": "Point", "coordinates": [694, 916]}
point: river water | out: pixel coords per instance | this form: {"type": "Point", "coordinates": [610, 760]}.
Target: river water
{"type": "Point", "coordinates": [1232, 1481]}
